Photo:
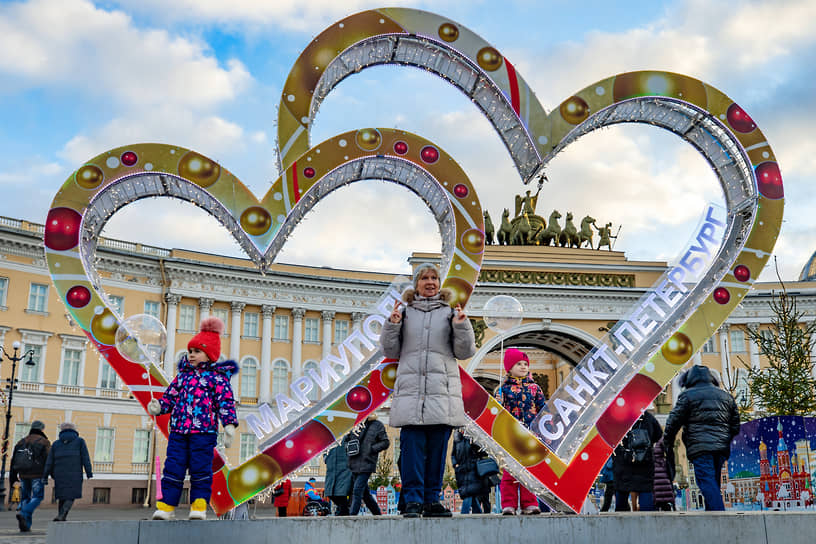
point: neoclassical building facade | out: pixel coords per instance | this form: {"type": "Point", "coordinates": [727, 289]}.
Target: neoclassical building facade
{"type": "Point", "coordinates": [279, 324]}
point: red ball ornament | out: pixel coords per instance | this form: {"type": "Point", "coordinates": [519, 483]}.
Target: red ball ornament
{"type": "Point", "coordinates": [129, 158]}
{"type": "Point", "coordinates": [721, 295]}
{"type": "Point", "coordinates": [739, 120]}
{"type": "Point", "coordinates": [298, 447]}
{"type": "Point", "coordinates": [62, 229]}
{"type": "Point", "coordinates": [78, 296]}
{"type": "Point", "coordinates": [474, 396]}
{"type": "Point", "coordinates": [626, 408]}
{"type": "Point", "coordinates": [742, 273]}
{"type": "Point", "coordinates": [400, 148]}
{"type": "Point", "coordinates": [429, 154]}
{"type": "Point", "coordinates": [460, 190]}
{"type": "Point", "coordinates": [358, 398]}
{"type": "Point", "coordinates": [769, 180]}
{"type": "Point", "coordinates": [309, 172]}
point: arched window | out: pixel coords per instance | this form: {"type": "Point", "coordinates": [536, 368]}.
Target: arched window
{"type": "Point", "coordinates": [314, 394]}
{"type": "Point", "coordinates": [280, 377]}
{"type": "Point", "coordinates": [249, 378]}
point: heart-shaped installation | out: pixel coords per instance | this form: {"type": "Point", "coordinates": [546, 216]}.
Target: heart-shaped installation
{"type": "Point", "coordinates": [608, 390]}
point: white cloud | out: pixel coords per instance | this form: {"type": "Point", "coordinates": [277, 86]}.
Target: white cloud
{"type": "Point", "coordinates": [29, 174]}
{"type": "Point", "coordinates": [102, 53]}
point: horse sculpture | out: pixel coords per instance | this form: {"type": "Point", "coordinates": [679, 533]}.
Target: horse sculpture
{"type": "Point", "coordinates": [505, 229]}
{"type": "Point", "coordinates": [585, 235]}
{"type": "Point", "coordinates": [569, 235]}
{"type": "Point", "coordinates": [521, 231]}
{"type": "Point", "coordinates": [489, 229]}
{"type": "Point", "coordinates": [552, 232]}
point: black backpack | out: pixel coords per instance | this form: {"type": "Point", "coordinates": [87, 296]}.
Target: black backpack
{"type": "Point", "coordinates": [639, 446]}
{"type": "Point", "coordinates": [23, 461]}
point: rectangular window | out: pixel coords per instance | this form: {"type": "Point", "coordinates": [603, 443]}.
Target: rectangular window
{"type": "Point", "coordinates": [249, 376]}
{"type": "Point", "coordinates": [186, 318]}
{"type": "Point", "coordinates": [281, 327]}
{"type": "Point", "coordinates": [311, 331]}
{"type": "Point", "coordinates": [737, 341]}
{"type": "Point", "coordinates": [709, 346]}
{"type": "Point", "coordinates": [108, 380]}
{"type": "Point", "coordinates": [101, 495]}
{"type": "Point", "coordinates": [341, 330]}
{"type": "Point", "coordinates": [38, 297]}
{"type": "Point", "coordinates": [768, 336]}
{"type": "Point", "coordinates": [248, 446]}
{"type": "Point", "coordinates": [71, 359]}
{"type": "Point", "coordinates": [3, 290]}
{"type": "Point", "coordinates": [104, 445]}
{"type": "Point", "coordinates": [223, 315]}
{"type": "Point", "coordinates": [743, 394]}
{"type": "Point", "coordinates": [117, 303]}
{"type": "Point", "coordinates": [20, 432]}
{"type": "Point", "coordinates": [151, 307]}
{"type": "Point", "coordinates": [280, 378]}
{"type": "Point", "coordinates": [30, 373]}
{"type": "Point", "coordinates": [138, 495]}
{"type": "Point", "coordinates": [251, 324]}
{"type": "Point", "coordinates": [141, 446]}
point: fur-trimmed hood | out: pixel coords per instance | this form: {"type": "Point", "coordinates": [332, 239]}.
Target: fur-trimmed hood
{"type": "Point", "coordinates": [409, 295]}
{"type": "Point", "coordinates": [229, 367]}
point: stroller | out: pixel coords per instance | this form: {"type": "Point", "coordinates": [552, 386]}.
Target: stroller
{"type": "Point", "coordinates": [316, 509]}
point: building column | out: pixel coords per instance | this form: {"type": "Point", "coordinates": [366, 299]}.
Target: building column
{"type": "Point", "coordinates": [170, 353]}
{"type": "Point", "coordinates": [356, 325]}
{"type": "Point", "coordinates": [235, 330]}
{"type": "Point", "coordinates": [753, 348]}
{"type": "Point", "coordinates": [724, 370]}
{"type": "Point", "coordinates": [328, 317]}
{"type": "Point", "coordinates": [265, 386]}
{"type": "Point", "coordinates": [297, 341]}
{"type": "Point", "coordinates": [204, 307]}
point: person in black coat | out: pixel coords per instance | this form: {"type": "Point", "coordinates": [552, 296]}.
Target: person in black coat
{"type": "Point", "coordinates": [663, 477]}
{"type": "Point", "coordinates": [373, 439]}
{"type": "Point", "coordinates": [27, 462]}
{"type": "Point", "coordinates": [710, 419]}
{"type": "Point", "coordinates": [338, 479]}
{"type": "Point", "coordinates": [67, 458]}
{"type": "Point", "coordinates": [635, 477]}
{"type": "Point", "coordinates": [471, 486]}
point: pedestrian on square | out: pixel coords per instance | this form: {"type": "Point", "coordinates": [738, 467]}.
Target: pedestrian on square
{"type": "Point", "coordinates": [27, 464]}
{"type": "Point", "coordinates": [198, 397]}
{"type": "Point", "coordinates": [338, 479]}
{"type": "Point", "coordinates": [523, 398]}
{"type": "Point", "coordinates": [282, 493]}
{"type": "Point", "coordinates": [66, 460]}
{"type": "Point", "coordinates": [372, 440]}
{"type": "Point", "coordinates": [710, 419]}
{"type": "Point", "coordinates": [663, 477]}
{"type": "Point", "coordinates": [607, 478]}
{"type": "Point", "coordinates": [470, 485]}
{"type": "Point", "coordinates": [633, 465]}
{"type": "Point", "coordinates": [427, 336]}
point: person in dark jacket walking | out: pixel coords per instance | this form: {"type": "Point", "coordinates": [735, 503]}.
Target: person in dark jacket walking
{"type": "Point", "coordinates": [633, 467]}
{"type": "Point", "coordinates": [27, 463]}
{"type": "Point", "coordinates": [373, 439]}
{"type": "Point", "coordinates": [710, 419]}
{"type": "Point", "coordinates": [471, 486]}
{"type": "Point", "coordinates": [663, 477]}
{"type": "Point", "coordinates": [338, 479]}
{"type": "Point", "coordinates": [67, 458]}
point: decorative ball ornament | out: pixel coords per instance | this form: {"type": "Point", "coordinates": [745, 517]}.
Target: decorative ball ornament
{"type": "Point", "coordinates": [739, 119]}
{"type": "Point", "coordinates": [742, 273]}
{"type": "Point", "coordinates": [574, 110]}
{"type": "Point", "coordinates": [400, 148]}
{"type": "Point", "coordinates": [199, 169]}
{"type": "Point", "coordinates": [489, 59]}
{"type": "Point", "coordinates": [461, 290]}
{"type": "Point", "coordinates": [517, 440]}
{"type": "Point", "coordinates": [309, 172]}
{"type": "Point", "coordinates": [769, 180]}
{"type": "Point", "coordinates": [448, 32]}
{"type": "Point", "coordinates": [253, 476]}
{"type": "Point", "coordinates": [502, 313]}
{"type": "Point", "coordinates": [78, 296]}
{"type": "Point", "coordinates": [429, 154]}
{"type": "Point", "coordinates": [460, 190]}
{"type": "Point", "coordinates": [89, 176]}
{"type": "Point", "coordinates": [104, 327]}
{"type": "Point", "coordinates": [388, 375]}
{"type": "Point", "coordinates": [473, 241]}
{"type": "Point", "coordinates": [62, 229]}
{"type": "Point", "coordinates": [721, 295]}
{"type": "Point", "coordinates": [358, 398]}
{"type": "Point", "coordinates": [678, 349]}
{"type": "Point", "coordinates": [256, 220]}
{"type": "Point", "coordinates": [129, 158]}
{"type": "Point", "coordinates": [368, 139]}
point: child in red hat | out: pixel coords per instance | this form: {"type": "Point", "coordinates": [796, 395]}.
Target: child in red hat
{"type": "Point", "coordinates": [523, 398]}
{"type": "Point", "coordinates": [199, 396]}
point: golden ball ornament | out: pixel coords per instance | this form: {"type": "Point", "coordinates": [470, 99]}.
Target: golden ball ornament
{"type": "Point", "coordinates": [517, 440]}
{"type": "Point", "coordinates": [574, 110]}
{"type": "Point", "coordinates": [448, 32]}
{"type": "Point", "coordinates": [678, 349]}
{"type": "Point", "coordinates": [368, 139]}
{"type": "Point", "coordinates": [89, 176]}
{"type": "Point", "coordinates": [651, 83]}
{"type": "Point", "coordinates": [388, 375]}
{"type": "Point", "coordinates": [253, 476]}
{"type": "Point", "coordinates": [473, 241]}
{"type": "Point", "coordinates": [489, 59]}
{"type": "Point", "coordinates": [199, 169]}
{"type": "Point", "coordinates": [104, 327]}
{"type": "Point", "coordinates": [460, 289]}
{"type": "Point", "coordinates": [255, 220]}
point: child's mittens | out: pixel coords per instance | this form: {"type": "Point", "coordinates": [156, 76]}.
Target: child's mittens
{"type": "Point", "coordinates": [153, 407]}
{"type": "Point", "coordinates": [229, 433]}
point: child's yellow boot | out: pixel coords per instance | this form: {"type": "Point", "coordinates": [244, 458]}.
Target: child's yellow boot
{"type": "Point", "coordinates": [198, 510]}
{"type": "Point", "coordinates": [164, 511]}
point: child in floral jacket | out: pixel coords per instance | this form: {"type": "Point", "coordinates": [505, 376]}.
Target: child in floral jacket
{"type": "Point", "coordinates": [199, 396]}
{"type": "Point", "coordinates": [523, 398]}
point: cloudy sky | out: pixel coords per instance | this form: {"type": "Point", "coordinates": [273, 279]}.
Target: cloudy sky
{"type": "Point", "coordinates": [79, 77]}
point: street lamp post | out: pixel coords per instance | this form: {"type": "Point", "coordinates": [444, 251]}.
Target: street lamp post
{"type": "Point", "coordinates": [11, 385]}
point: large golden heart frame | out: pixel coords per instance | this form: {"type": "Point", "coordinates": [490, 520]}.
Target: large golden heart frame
{"type": "Point", "coordinates": [562, 471]}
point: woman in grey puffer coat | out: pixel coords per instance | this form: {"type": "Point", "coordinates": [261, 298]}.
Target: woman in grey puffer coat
{"type": "Point", "coordinates": [427, 337]}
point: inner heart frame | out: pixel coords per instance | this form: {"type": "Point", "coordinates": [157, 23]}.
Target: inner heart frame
{"type": "Point", "coordinates": [559, 467]}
